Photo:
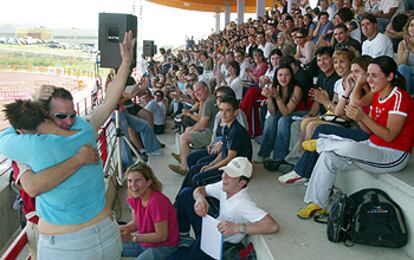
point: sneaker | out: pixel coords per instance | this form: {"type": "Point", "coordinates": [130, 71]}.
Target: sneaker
{"type": "Point", "coordinates": [291, 178]}
{"type": "Point", "coordinates": [143, 155]}
{"type": "Point", "coordinates": [260, 159]}
{"type": "Point", "coordinates": [285, 167]}
{"type": "Point", "coordinates": [162, 145]}
{"type": "Point", "coordinates": [259, 139]}
{"type": "Point", "coordinates": [272, 165]}
{"type": "Point", "coordinates": [310, 210]}
{"type": "Point", "coordinates": [310, 145]}
{"type": "Point", "coordinates": [176, 156]}
{"type": "Point", "coordinates": [155, 153]}
{"type": "Point", "coordinates": [177, 169]}
{"type": "Point", "coordinates": [185, 241]}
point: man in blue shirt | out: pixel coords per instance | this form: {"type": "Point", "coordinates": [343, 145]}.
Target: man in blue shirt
{"type": "Point", "coordinates": [235, 143]}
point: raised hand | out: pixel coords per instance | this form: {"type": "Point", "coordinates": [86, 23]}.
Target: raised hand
{"type": "Point", "coordinates": [354, 112]}
{"type": "Point", "coordinates": [44, 93]}
{"type": "Point", "coordinates": [319, 95]}
{"type": "Point", "coordinates": [127, 47]}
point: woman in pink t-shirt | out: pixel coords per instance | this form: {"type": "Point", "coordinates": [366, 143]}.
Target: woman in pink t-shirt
{"type": "Point", "coordinates": [153, 217]}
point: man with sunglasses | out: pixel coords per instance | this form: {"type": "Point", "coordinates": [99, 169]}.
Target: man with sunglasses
{"type": "Point", "coordinates": [158, 109]}
{"type": "Point", "coordinates": [72, 204]}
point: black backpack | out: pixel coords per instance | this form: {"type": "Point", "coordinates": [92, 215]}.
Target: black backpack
{"type": "Point", "coordinates": [368, 217]}
{"type": "Point", "coordinates": [377, 220]}
{"type": "Point", "coordinates": [339, 219]}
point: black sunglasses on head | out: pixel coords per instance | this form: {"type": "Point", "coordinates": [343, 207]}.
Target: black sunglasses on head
{"type": "Point", "coordinates": [64, 115]}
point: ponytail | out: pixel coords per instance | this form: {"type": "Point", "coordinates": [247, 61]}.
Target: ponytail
{"type": "Point", "coordinates": [399, 81]}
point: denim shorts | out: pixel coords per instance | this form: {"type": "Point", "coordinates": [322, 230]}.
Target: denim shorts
{"type": "Point", "coordinates": [99, 241]}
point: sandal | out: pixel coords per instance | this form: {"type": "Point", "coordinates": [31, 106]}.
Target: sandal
{"type": "Point", "coordinates": [310, 210]}
{"type": "Point", "coordinates": [310, 145]}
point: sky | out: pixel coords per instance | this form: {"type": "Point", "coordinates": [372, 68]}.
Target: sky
{"type": "Point", "coordinates": [166, 26]}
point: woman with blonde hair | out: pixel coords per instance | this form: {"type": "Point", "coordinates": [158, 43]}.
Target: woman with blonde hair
{"type": "Point", "coordinates": [342, 65]}
{"type": "Point", "coordinates": [153, 217]}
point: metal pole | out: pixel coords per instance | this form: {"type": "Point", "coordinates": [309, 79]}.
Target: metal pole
{"type": "Point", "coordinates": [119, 134]}
{"type": "Point", "coordinates": [260, 8]}
{"type": "Point", "coordinates": [227, 12]}
{"type": "Point", "coordinates": [217, 28]}
{"type": "Point", "coordinates": [240, 11]}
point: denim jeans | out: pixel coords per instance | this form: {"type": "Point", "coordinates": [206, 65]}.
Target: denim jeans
{"type": "Point", "coordinates": [99, 241]}
{"type": "Point", "coordinates": [186, 215]}
{"type": "Point", "coordinates": [382, 24]}
{"type": "Point", "coordinates": [276, 136]}
{"type": "Point", "coordinates": [305, 165]}
{"type": "Point", "coordinates": [404, 70]}
{"type": "Point", "coordinates": [187, 218]}
{"type": "Point", "coordinates": [140, 126]}
{"type": "Point", "coordinates": [190, 253]}
{"type": "Point", "coordinates": [132, 249]}
{"type": "Point", "coordinates": [198, 157]}
{"type": "Point", "coordinates": [195, 178]}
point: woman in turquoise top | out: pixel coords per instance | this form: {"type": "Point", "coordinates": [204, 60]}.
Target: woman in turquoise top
{"type": "Point", "coordinates": [77, 201]}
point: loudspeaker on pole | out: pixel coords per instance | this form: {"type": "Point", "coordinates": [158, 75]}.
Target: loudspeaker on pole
{"type": "Point", "coordinates": [112, 27]}
{"type": "Point", "coordinates": [149, 49]}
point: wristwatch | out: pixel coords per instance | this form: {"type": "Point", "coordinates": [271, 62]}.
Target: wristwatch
{"type": "Point", "coordinates": [243, 228]}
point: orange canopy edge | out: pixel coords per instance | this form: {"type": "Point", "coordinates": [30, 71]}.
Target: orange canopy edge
{"type": "Point", "coordinates": [210, 5]}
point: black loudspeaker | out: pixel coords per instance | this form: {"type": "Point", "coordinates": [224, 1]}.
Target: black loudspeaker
{"type": "Point", "coordinates": [149, 49]}
{"type": "Point", "coordinates": [112, 28]}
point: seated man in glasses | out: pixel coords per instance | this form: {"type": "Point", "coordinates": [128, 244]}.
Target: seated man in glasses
{"type": "Point", "coordinates": [158, 109]}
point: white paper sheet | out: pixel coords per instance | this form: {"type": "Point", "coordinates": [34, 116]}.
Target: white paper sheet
{"type": "Point", "coordinates": [211, 238]}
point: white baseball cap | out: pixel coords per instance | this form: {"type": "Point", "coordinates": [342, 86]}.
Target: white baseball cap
{"type": "Point", "coordinates": [239, 166]}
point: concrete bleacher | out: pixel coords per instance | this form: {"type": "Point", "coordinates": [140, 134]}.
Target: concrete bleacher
{"type": "Point", "coordinates": [305, 239]}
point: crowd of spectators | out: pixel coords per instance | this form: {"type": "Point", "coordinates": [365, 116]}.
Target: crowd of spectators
{"type": "Point", "coordinates": [291, 81]}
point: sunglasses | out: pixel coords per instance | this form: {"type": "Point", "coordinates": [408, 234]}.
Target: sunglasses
{"type": "Point", "coordinates": [63, 116]}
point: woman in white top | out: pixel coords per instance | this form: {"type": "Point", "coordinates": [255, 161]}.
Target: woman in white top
{"type": "Point", "coordinates": [234, 81]}
{"type": "Point", "coordinates": [305, 47]}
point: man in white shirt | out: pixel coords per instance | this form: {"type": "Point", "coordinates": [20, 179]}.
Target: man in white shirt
{"type": "Point", "coordinates": [377, 44]}
{"type": "Point", "coordinates": [264, 45]}
{"type": "Point", "coordinates": [157, 109]}
{"type": "Point", "coordinates": [239, 56]}
{"type": "Point", "coordinates": [239, 216]}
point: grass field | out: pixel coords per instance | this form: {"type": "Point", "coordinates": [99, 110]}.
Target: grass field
{"type": "Point", "coordinates": [23, 56]}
